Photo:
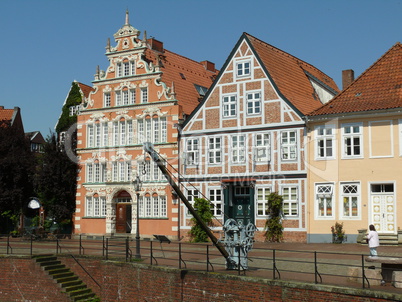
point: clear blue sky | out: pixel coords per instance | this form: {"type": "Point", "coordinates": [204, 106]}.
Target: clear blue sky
{"type": "Point", "coordinates": [47, 44]}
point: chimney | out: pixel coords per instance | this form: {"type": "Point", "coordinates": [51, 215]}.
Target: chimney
{"type": "Point", "coordinates": [208, 65]}
{"type": "Point", "coordinates": [155, 44]}
{"type": "Point", "coordinates": [1, 107]}
{"type": "Point", "coordinates": [348, 76]}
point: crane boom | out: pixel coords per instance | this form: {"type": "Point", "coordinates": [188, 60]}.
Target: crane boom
{"type": "Point", "coordinates": [148, 147]}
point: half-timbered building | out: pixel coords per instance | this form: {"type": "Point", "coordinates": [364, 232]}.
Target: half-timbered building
{"type": "Point", "coordinates": [246, 139]}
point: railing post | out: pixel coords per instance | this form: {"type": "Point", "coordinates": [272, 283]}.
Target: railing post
{"type": "Point", "coordinates": [273, 264]}
{"type": "Point", "coordinates": [238, 263]}
{"type": "Point", "coordinates": [127, 247]}
{"type": "Point", "coordinates": [107, 245]}
{"type": "Point", "coordinates": [152, 253]}
{"type": "Point", "coordinates": [207, 258]}
{"type": "Point", "coordinates": [103, 246]}
{"type": "Point", "coordinates": [363, 272]}
{"type": "Point", "coordinates": [179, 255]}
{"type": "Point", "coordinates": [80, 244]}
{"type": "Point", "coordinates": [31, 244]}
{"type": "Point", "coordinates": [8, 243]}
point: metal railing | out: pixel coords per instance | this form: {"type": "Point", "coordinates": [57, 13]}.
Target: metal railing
{"type": "Point", "coordinates": [320, 267]}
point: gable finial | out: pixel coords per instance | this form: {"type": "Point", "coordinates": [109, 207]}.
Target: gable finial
{"type": "Point", "coordinates": [127, 19]}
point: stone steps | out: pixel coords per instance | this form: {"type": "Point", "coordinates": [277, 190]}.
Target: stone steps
{"type": "Point", "coordinates": [68, 281]}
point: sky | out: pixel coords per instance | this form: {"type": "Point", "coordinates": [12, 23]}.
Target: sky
{"type": "Point", "coordinates": [47, 44]}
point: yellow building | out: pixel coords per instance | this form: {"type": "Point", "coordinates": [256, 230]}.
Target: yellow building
{"type": "Point", "coordinates": [354, 159]}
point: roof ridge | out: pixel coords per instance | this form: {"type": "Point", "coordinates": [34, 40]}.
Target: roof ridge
{"type": "Point", "coordinates": [288, 54]}
{"type": "Point", "coordinates": [179, 55]}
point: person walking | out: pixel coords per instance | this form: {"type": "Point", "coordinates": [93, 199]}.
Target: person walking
{"type": "Point", "coordinates": [373, 240]}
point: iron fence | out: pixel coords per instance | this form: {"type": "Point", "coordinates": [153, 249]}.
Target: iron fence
{"type": "Point", "coordinates": [345, 269]}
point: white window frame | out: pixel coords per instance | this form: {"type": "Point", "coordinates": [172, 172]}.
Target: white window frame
{"type": "Point", "coordinates": [243, 69]}
{"type": "Point", "coordinates": [95, 206]}
{"type": "Point", "coordinates": [150, 171]}
{"type": "Point", "coordinates": [215, 150]}
{"type": "Point", "coordinates": [352, 135]}
{"type": "Point", "coordinates": [123, 133]}
{"type": "Point", "coordinates": [289, 201]}
{"type": "Point", "coordinates": [107, 99]}
{"type": "Point", "coordinates": [324, 195]}
{"type": "Point", "coordinates": [152, 130]}
{"type": "Point", "coordinates": [191, 195]}
{"type": "Point", "coordinates": [262, 147]}
{"type": "Point", "coordinates": [261, 200]}
{"type": "Point", "coordinates": [325, 142]}
{"type": "Point", "coordinates": [144, 95]}
{"type": "Point", "coordinates": [253, 103]}
{"type": "Point", "coordinates": [215, 195]}
{"type": "Point", "coordinates": [289, 145]}
{"type": "Point", "coordinates": [238, 148]}
{"type": "Point", "coordinates": [121, 171]}
{"type": "Point", "coordinates": [192, 151]}
{"type": "Point", "coordinates": [229, 106]}
{"type": "Point", "coordinates": [350, 195]}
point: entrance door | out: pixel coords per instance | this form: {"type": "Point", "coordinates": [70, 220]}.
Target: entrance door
{"type": "Point", "coordinates": [123, 218]}
{"type": "Point", "coordinates": [383, 207]}
{"type": "Point", "coordinates": [242, 212]}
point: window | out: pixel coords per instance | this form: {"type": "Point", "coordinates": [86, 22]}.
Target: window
{"type": "Point", "coordinates": [350, 199]}
{"type": "Point", "coordinates": [192, 152]}
{"type": "Point", "coordinates": [191, 195]}
{"type": "Point", "coordinates": [324, 199]}
{"type": "Point", "coordinates": [153, 206]}
{"type": "Point", "coordinates": [214, 150]}
{"type": "Point", "coordinates": [97, 134]}
{"type": "Point", "coordinates": [118, 98]}
{"type": "Point", "coordinates": [290, 201]}
{"type": "Point", "coordinates": [253, 103]}
{"type": "Point", "coordinates": [352, 140]}
{"type": "Point", "coordinates": [107, 99]}
{"type": "Point", "coordinates": [262, 147]}
{"type": "Point", "coordinates": [215, 196]}
{"type": "Point", "coordinates": [144, 95]}
{"type": "Point", "coordinates": [325, 141]}
{"type": "Point", "coordinates": [126, 66]}
{"type": "Point", "coordinates": [288, 143]}
{"type": "Point", "coordinates": [229, 106]}
{"type": "Point", "coordinates": [123, 133]}
{"type": "Point", "coordinates": [132, 67]}
{"type": "Point", "coordinates": [119, 72]}
{"type": "Point", "coordinates": [262, 201]}
{"type": "Point", "coordinates": [74, 110]}
{"type": "Point", "coordinates": [152, 130]}
{"type": "Point", "coordinates": [121, 171]}
{"type": "Point", "coordinates": [150, 171]}
{"type": "Point", "coordinates": [95, 206]}
{"type": "Point", "coordinates": [238, 149]}
{"type": "Point", "coordinates": [132, 96]}
{"type": "Point", "coordinates": [243, 69]}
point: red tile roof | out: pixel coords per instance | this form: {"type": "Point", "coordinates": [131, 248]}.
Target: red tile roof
{"type": "Point", "coordinates": [85, 89]}
{"type": "Point", "coordinates": [378, 88]}
{"type": "Point", "coordinates": [6, 114]}
{"type": "Point", "coordinates": [183, 73]}
{"type": "Point", "coordinates": [292, 76]}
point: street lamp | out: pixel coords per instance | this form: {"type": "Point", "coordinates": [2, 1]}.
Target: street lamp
{"type": "Point", "coordinates": [137, 186]}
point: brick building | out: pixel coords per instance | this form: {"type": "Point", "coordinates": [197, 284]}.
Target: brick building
{"type": "Point", "coordinates": [144, 93]}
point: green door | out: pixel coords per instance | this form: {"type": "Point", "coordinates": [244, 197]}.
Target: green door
{"type": "Point", "coordinates": [239, 203]}
{"type": "Point", "coordinates": [242, 210]}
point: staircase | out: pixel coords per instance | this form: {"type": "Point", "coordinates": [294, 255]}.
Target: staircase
{"type": "Point", "coordinates": [71, 283]}
{"type": "Point", "coordinates": [388, 239]}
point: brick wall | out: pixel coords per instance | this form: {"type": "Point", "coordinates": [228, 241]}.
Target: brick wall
{"type": "Point", "coordinates": [21, 279]}
{"type": "Point", "coordinates": [122, 281]}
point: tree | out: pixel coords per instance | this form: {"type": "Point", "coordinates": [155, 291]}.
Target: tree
{"type": "Point", "coordinates": [74, 98]}
{"type": "Point", "coordinates": [273, 225]}
{"type": "Point", "coordinates": [17, 165]}
{"type": "Point", "coordinates": [203, 208]}
{"type": "Point", "coordinates": [56, 183]}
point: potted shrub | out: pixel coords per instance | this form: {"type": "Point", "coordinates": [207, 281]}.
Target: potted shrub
{"type": "Point", "coordinates": [338, 233]}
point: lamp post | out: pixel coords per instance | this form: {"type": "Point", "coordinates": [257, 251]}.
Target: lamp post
{"type": "Point", "coordinates": [137, 186]}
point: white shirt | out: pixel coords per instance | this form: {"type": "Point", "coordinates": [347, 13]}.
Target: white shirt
{"type": "Point", "coordinates": [374, 241]}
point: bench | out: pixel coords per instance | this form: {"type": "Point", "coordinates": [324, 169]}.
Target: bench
{"type": "Point", "coordinates": [388, 266]}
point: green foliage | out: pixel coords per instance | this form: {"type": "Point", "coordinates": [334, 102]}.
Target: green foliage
{"type": "Point", "coordinates": [17, 167]}
{"type": "Point", "coordinates": [203, 208]}
{"type": "Point", "coordinates": [56, 183]}
{"type": "Point", "coordinates": [338, 233]}
{"type": "Point", "coordinates": [74, 98]}
{"type": "Point", "coordinates": [273, 225]}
